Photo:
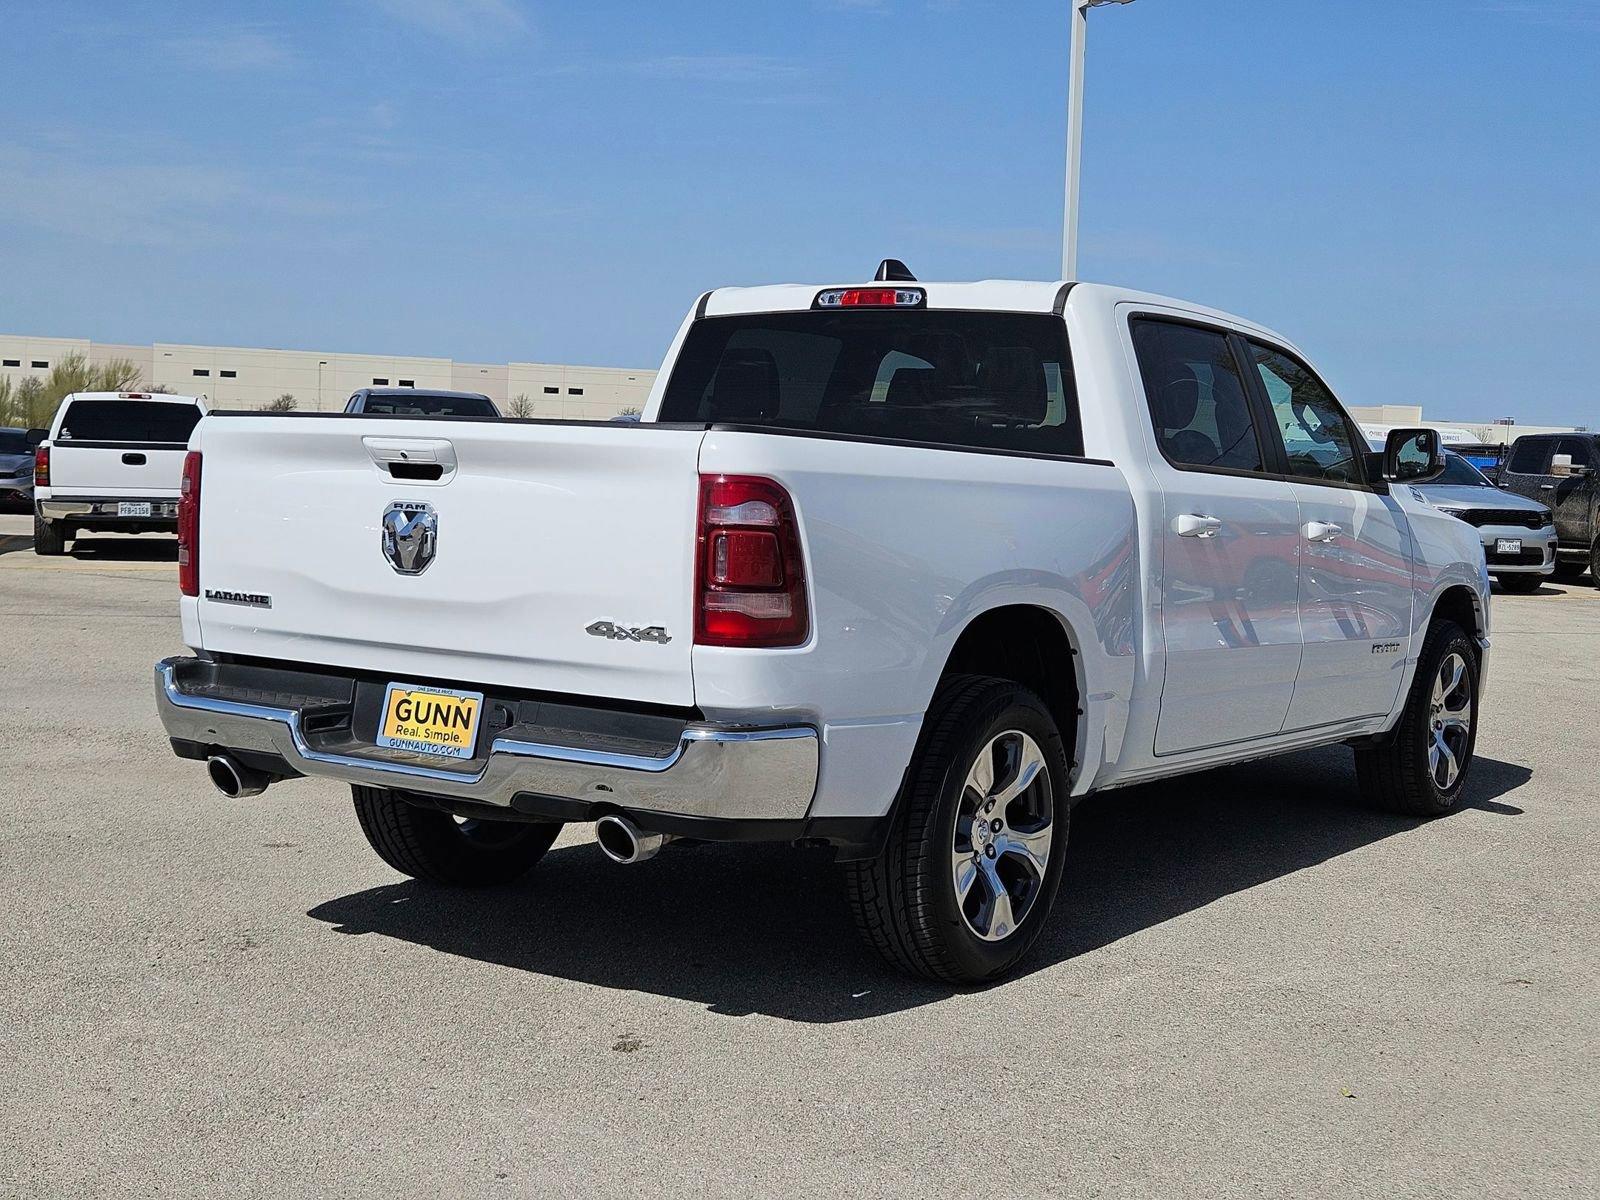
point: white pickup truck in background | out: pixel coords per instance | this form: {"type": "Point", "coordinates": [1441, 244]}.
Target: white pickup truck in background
{"type": "Point", "coordinates": [112, 463]}
{"type": "Point", "coordinates": [900, 569]}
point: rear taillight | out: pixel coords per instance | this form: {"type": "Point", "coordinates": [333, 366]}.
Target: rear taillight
{"type": "Point", "coordinates": [189, 526]}
{"type": "Point", "coordinates": [41, 467]}
{"type": "Point", "coordinates": [749, 575]}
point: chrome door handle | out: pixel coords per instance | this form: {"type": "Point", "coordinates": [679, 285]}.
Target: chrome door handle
{"type": "Point", "coordinates": [1547, 487]}
{"type": "Point", "coordinates": [1197, 525]}
{"type": "Point", "coordinates": [1321, 531]}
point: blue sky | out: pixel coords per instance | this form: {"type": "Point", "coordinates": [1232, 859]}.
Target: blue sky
{"type": "Point", "coordinates": [1411, 191]}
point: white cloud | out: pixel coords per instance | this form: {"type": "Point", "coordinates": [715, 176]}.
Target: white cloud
{"type": "Point", "coordinates": [719, 68]}
{"type": "Point", "coordinates": [161, 204]}
{"type": "Point", "coordinates": [460, 20]}
{"type": "Point", "coordinates": [243, 48]}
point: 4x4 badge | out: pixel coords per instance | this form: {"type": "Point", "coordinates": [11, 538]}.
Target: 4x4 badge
{"type": "Point", "coordinates": [629, 633]}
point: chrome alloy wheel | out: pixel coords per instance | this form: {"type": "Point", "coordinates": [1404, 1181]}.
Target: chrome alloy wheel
{"type": "Point", "coordinates": [1449, 721]}
{"type": "Point", "coordinates": [1004, 827]}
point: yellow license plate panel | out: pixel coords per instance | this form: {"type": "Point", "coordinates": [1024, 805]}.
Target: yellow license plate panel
{"type": "Point", "coordinates": [430, 720]}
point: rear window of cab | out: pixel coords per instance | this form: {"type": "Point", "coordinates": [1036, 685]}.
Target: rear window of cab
{"type": "Point", "coordinates": [977, 380]}
{"type": "Point", "coordinates": [149, 421]}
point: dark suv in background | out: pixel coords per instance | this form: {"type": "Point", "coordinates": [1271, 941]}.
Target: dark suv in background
{"type": "Point", "coordinates": [420, 402]}
{"type": "Point", "coordinates": [1558, 469]}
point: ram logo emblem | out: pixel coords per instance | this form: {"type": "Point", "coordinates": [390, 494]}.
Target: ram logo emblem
{"type": "Point", "coordinates": [410, 536]}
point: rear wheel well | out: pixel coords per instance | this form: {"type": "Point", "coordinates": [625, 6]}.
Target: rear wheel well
{"type": "Point", "coordinates": [1030, 646]}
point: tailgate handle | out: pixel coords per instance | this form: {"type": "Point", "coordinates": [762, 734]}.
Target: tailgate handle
{"type": "Point", "coordinates": [416, 460]}
{"type": "Point", "coordinates": [415, 470]}
{"type": "Point", "coordinates": [134, 460]}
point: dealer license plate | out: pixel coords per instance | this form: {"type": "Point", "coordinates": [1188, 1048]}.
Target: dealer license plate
{"type": "Point", "coordinates": [429, 720]}
{"type": "Point", "coordinates": [133, 508]}
{"type": "Point", "coordinates": [1508, 545]}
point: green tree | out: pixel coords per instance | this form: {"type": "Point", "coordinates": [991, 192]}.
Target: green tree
{"type": "Point", "coordinates": [521, 406]}
{"type": "Point", "coordinates": [27, 405]}
{"type": "Point", "coordinates": [284, 403]}
{"type": "Point", "coordinates": [32, 402]}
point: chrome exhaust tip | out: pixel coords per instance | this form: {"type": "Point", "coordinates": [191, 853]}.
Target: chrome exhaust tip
{"type": "Point", "coordinates": [233, 779]}
{"type": "Point", "coordinates": [624, 842]}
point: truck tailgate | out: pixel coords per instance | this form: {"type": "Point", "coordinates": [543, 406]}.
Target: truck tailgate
{"type": "Point", "coordinates": [108, 469]}
{"type": "Point", "coordinates": [543, 531]}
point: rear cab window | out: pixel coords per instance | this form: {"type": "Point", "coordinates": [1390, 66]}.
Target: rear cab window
{"type": "Point", "coordinates": [961, 379]}
{"type": "Point", "coordinates": [148, 422]}
{"type": "Point", "coordinates": [423, 405]}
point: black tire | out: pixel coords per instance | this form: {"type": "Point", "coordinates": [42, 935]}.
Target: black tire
{"type": "Point", "coordinates": [905, 900]}
{"type": "Point", "coordinates": [1594, 562]}
{"type": "Point", "coordinates": [1519, 584]}
{"type": "Point", "coordinates": [1398, 774]}
{"type": "Point", "coordinates": [49, 537]}
{"type": "Point", "coordinates": [434, 846]}
{"type": "Point", "coordinates": [1570, 570]}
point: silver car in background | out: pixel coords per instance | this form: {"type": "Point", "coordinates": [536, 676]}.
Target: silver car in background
{"type": "Point", "coordinates": [16, 467]}
{"type": "Point", "coordinates": [1519, 535]}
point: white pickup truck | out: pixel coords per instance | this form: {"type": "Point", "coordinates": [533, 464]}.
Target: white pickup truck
{"type": "Point", "coordinates": [899, 569]}
{"type": "Point", "coordinates": [112, 462]}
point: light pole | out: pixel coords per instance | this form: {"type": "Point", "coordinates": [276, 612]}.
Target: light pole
{"type": "Point", "coordinates": [1080, 40]}
{"type": "Point", "coordinates": [321, 362]}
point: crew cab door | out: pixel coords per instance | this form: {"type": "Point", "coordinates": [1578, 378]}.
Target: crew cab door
{"type": "Point", "coordinates": [1575, 492]}
{"type": "Point", "coordinates": [1228, 542]}
{"type": "Point", "coordinates": [1528, 473]}
{"type": "Point", "coordinates": [1355, 549]}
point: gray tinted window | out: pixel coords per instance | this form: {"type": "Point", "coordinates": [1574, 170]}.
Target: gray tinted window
{"type": "Point", "coordinates": [1531, 456]}
{"type": "Point", "coordinates": [1197, 396]}
{"type": "Point", "coordinates": [1581, 449]}
{"type": "Point", "coordinates": [1459, 471]}
{"type": "Point", "coordinates": [1317, 436]}
{"type": "Point", "coordinates": [424, 405]}
{"type": "Point", "coordinates": [129, 421]}
{"type": "Point", "coordinates": [976, 379]}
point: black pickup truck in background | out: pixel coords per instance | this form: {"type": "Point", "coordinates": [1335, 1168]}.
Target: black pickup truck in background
{"type": "Point", "coordinates": [1559, 469]}
{"type": "Point", "coordinates": [420, 402]}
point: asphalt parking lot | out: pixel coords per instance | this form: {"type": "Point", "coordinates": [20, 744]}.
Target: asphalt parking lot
{"type": "Point", "coordinates": [1251, 987]}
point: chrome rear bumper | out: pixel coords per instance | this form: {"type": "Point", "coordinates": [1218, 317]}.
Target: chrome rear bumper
{"type": "Point", "coordinates": [715, 771]}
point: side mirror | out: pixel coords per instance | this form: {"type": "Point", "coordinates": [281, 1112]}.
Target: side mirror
{"type": "Point", "coordinates": [1412, 456]}
{"type": "Point", "coordinates": [35, 436]}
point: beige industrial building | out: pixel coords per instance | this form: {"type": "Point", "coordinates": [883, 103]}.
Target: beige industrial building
{"type": "Point", "coordinates": [321, 381]}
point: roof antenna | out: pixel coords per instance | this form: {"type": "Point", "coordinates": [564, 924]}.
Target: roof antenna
{"type": "Point", "coordinates": [892, 270]}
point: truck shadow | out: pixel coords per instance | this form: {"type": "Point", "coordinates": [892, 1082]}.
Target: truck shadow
{"type": "Point", "coordinates": [124, 549]}
{"type": "Point", "coordinates": [765, 929]}
{"type": "Point", "coordinates": [90, 548]}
